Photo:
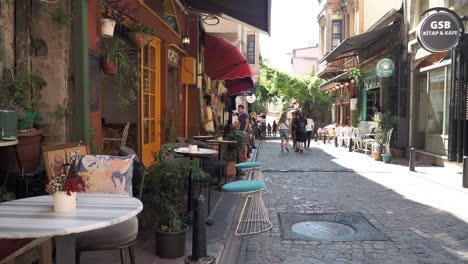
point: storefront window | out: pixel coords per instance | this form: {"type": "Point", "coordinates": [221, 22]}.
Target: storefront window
{"type": "Point", "coordinates": [436, 101]}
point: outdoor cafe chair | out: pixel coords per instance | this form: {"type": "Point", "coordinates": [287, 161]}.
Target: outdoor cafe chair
{"type": "Point", "coordinates": [121, 236]}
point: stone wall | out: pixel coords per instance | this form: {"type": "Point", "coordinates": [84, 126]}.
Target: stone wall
{"type": "Point", "coordinates": [50, 59]}
{"type": "Point", "coordinates": [7, 34]}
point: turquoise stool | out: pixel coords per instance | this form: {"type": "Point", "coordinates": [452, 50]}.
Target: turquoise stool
{"type": "Point", "coordinates": [254, 217]}
{"type": "Point", "coordinates": [253, 171]}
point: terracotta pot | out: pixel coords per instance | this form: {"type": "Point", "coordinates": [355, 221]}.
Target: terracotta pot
{"type": "Point", "coordinates": [109, 66]}
{"type": "Point", "coordinates": [107, 27]}
{"type": "Point", "coordinates": [140, 39]}
{"type": "Point", "coordinates": [231, 168]}
{"type": "Point", "coordinates": [29, 149]}
{"type": "Point", "coordinates": [376, 155]}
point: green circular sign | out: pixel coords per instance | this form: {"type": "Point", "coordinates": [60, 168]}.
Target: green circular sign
{"type": "Point", "coordinates": [385, 67]}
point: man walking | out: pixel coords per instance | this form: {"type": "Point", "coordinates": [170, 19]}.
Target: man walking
{"type": "Point", "coordinates": [245, 127]}
{"type": "Point", "coordinates": [309, 130]}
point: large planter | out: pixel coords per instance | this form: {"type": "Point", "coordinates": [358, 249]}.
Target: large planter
{"type": "Point", "coordinates": [29, 149]}
{"type": "Point", "coordinates": [8, 124]}
{"type": "Point", "coordinates": [170, 244]}
{"type": "Point", "coordinates": [107, 27]}
{"type": "Point", "coordinates": [109, 66]}
{"type": "Point", "coordinates": [64, 203]}
{"type": "Point", "coordinates": [387, 158]}
{"type": "Point", "coordinates": [140, 39]}
{"type": "Point", "coordinates": [231, 168]}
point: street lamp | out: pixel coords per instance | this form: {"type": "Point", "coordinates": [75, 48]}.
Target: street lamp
{"type": "Point", "coordinates": [186, 40]}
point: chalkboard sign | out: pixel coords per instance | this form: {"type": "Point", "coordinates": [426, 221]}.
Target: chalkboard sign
{"type": "Point", "coordinates": [94, 76]}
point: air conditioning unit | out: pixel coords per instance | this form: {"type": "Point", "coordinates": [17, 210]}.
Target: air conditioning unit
{"type": "Point", "coordinates": [188, 71]}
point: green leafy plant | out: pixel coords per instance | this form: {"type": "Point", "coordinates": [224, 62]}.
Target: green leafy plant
{"type": "Point", "coordinates": [138, 27]}
{"type": "Point", "coordinates": [61, 16]}
{"type": "Point", "coordinates": [387, 122]}
{"type": "Point", "coordinates": [20, 92]}
{"type": "Point", "coordinates": [163, 191]}
{"type": "Point", "coordinates": [115, 10]}
{"type": "Point", "coordinates": [127, 68]}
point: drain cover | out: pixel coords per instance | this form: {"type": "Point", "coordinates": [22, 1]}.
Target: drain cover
{"type": "Point", "coordinates": [323, 230]}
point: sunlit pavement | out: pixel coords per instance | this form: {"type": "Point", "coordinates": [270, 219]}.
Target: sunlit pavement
{"type": "Point", "coordinates": [423, 214]}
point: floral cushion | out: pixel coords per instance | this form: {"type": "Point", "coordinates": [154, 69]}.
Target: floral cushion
{"type": "Point", "coordinates": [107, 174]}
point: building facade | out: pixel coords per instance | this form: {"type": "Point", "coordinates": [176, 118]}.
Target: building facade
{"type": "Point", "coordinates": [305, 61]}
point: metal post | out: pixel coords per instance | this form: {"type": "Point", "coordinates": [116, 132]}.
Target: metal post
{"type": "Point", "coordinates": [465, 171]}
{"type": "Point", "coordinates": [350, 147]}
{"type": "Point", "coordinates": [412, 159]}
{"type": "Point", "coordinates": [199, 253]}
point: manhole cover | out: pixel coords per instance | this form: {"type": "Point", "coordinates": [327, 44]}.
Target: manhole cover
{"type": "Point", "coordinates": [323, 230]}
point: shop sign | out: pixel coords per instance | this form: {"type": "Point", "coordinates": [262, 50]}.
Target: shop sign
{"type": "Point", "coordinates": [385, 68]}
{"type": "Point", "coordinates": [173, 57]}
{"type": "Point", "coordinates": [440, 31]}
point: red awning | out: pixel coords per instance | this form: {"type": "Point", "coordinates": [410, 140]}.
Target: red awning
{"type": "Point", "coordinates": [224, 62]}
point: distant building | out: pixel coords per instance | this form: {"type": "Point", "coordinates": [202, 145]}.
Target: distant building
{"type": "Point", "coordinates": [305, 61]}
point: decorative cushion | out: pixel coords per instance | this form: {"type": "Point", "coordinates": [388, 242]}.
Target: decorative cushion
{"type": "Point", "coordinates": [249, 165]}
{"type": "Point", "coordinates": [244, 186]}
{"type": "Point", "coordinates": [107, 174]}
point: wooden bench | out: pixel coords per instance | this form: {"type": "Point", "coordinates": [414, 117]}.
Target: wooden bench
{"type": "Point", "coordinates": [28, 250]}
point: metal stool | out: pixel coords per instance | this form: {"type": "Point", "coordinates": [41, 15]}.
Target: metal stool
{"type": "Point", "coordinates": [253, 171]}
{"type": "Point", "coordinates": [254, 217]}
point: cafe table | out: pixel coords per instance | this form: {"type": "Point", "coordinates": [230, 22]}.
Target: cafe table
{"type": "Point", "coordinates": [34, 217]}
{"type": "Point", "coordinates": [203, 138]}
{"type": "Point", "coordinates": [201, 152]}
{"type": "Point", "coordinates": [220, 143]}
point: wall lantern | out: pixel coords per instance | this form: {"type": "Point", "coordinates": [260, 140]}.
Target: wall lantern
{"type": "Point", "coordinates": [186, 40]}
{"type": "Point", "coordinates": [353, 103]}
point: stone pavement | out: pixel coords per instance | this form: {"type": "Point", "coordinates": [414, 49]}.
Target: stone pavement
{"type": "Point", "coordinates": [423, 214]}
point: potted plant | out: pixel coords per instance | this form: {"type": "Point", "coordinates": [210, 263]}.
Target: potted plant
{"type": "Point", "coordinates": [193, 146]}
{"type": "Point", "coordinates": [232, 150]}
{"type": "Point", "coordinates": [18, 98]}
{"type": "Point", "coordinates": [386, 124]}
{"type": "Point", "coordinates": [65, 184]}
{"type": "Point", "coordinates": [163, 199]}
{"type": "Point", "coordinates": [141, 34]}
{"type": "Point", "coordinates": [113, 13]}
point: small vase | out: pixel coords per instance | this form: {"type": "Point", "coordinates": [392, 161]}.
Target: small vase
{"type": "Point", "coordinates": [193, 149]}
{"type": "Point", "coordinates": [64, 203]}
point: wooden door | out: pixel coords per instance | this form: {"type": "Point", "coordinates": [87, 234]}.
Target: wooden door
{"type": "Point", "coordinates": [150, 100]}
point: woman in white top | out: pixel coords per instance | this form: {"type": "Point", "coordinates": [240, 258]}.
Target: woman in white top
{"type": "Point", "coordinates": [283, 125]}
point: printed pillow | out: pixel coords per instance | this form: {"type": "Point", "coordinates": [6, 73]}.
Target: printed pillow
{"type": "Point", "coordinates": [107, 174]}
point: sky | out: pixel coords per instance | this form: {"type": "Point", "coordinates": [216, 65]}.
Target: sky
{"type": "Point", "coordinates": [293, 25]}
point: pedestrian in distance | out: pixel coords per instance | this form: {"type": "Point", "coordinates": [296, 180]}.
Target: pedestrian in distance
{"type": "Point", "coordinates": [284, 132]}
{"type": "Point", "coordinates": [301, 123]}
{"type": "Point", "coordinates": [309, 130]}
{"type": "Point", "coordinates": [293, 129]}
{"type": "Point", "coordinates": [269, 129]}
{"type": "Point", "coordinates": [275, 127]}
{"type": "Point", "coordinates": [245, 127]}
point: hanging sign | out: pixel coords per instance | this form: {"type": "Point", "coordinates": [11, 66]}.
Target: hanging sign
{"type": "Point", "coordinates": [440, 31]}
{"type": "Point", "coordinates": [385, 68]}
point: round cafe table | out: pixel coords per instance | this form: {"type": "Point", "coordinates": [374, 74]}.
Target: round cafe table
{"type": "Point", "coordinates": [202, 138]}
{"type": "Point", "coordinates": [220, 143]}
{"type": "Point", "coordinates": [201, 152]}
{"type": "Point", "coordinates": [34, 217]}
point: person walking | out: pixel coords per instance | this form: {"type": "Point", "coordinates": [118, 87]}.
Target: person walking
{"type": "Point", "coordinates": [301, 123]}
{"type": "Point", "coordinates": [309, 130]}
{"type": "Point", "coordinates": [275, 127]}
{"type": "Point", "coordinates": [284, 132]}
{"type": "Point", "coordinates": [269, 129]}
{"type": "Point", "coordinates": [293, 129]}
{"type": "Point", "coordinates": [245, 127]}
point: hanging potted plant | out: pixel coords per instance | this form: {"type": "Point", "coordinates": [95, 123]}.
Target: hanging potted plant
{"type": "Point", "coordinates": [163, 199]}
{"type": "Point", "coordinates": [114, 53]}
{"type": "Point", "coordinates": [386, 124]}
{"type": "Point", "coordinates": [113, 13]}
{"type": "Point", "coordinates": [141, 35]}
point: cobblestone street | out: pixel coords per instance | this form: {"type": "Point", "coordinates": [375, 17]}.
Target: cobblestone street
{"type": "Point", "coordinates": [422, 214]}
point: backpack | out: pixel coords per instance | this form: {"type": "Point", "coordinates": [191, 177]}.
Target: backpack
{"type": "Point", "coordinates": [301, 125]}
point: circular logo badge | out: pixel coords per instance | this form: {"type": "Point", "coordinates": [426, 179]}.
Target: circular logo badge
{"type": "Point", "coordinates": [385, 68]}
{"type": "Point", "coordinates": [439, 32]}
{"type": "Point", "coordinates": [251, 98]}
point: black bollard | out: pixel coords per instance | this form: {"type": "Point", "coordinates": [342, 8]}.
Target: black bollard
{"type": "Point", "coordinates": [465, 171]}
{"type": "Point", "coordinates": [199, 254]}
{"type": "Point", "coordinates": [350, 147]}
{"type": "Point", "coordinates": [336, 141]}
{"type": "Point", "coordinates": [412, 159]}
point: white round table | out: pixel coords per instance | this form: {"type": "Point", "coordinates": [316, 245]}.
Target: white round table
{"type": "Point", "coordinates": [34, 217]}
